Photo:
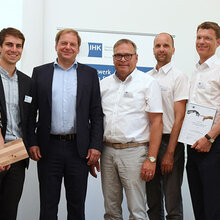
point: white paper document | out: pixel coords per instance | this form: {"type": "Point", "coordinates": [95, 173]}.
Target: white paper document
{"type": "Point", "coordinates": [197, 122]}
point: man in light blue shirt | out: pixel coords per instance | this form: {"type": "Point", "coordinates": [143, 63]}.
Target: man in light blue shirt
{"type": "Point", "coordinates": [69, 127]}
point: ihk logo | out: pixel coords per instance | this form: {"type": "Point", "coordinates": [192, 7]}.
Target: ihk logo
{"type": "Point", "coordinates": [95, 50]}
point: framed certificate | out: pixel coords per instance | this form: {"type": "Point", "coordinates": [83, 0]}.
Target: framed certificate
{"type": "Point", "coordinates": [197, 122]}
{"type": "Point", "coordinates": [12, 152]}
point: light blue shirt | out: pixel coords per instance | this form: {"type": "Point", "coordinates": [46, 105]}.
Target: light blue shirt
{"type": "Point", "coordinates": [64, 89]}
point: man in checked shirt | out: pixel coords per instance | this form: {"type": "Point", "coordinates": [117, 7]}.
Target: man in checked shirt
{"type": "Point", "coordinates": [15, 98]}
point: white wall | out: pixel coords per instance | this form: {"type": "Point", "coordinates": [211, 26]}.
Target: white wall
{"type": "Point", "coordinates": [6, 18]}
{"type": "Point", "coordinates": [40, 21]}
{"type": "Point", "coordinates": [12, 19]}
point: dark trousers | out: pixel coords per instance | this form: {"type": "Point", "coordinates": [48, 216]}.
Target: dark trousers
{"type": "Point", "coordinates": [11, 186]}
{"type": "Point", "coordinates": [166, 187]}
{"type": "Point", "coordinates": [62, 162]}
{"type": "Point", "coordinates": [203, 172]}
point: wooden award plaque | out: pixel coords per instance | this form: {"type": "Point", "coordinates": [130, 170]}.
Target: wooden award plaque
{"type": "Point", "coordinates": [12, 152]}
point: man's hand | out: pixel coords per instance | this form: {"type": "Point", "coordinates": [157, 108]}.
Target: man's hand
{"type": "Point", "coordinates": [35, 153]}
{"type": "Point", "coordinates": [2, 168]}
{"type": "Point", "coordinates": [148, 170]}
{"type": "Point", "coordinates": [93, 156]}
{"type": "Point", "coordinates": [202, 145]}
{"type": "Point", "coordinates": [92, 169]}
{"type": "Point", "coordinates": [167, 163]}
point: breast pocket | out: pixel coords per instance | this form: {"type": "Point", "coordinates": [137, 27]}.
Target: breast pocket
{"type": "Point", "coordinates": [212, 87]}
{"type": "Point", "coordinates": [165, 92]}
{"type": "Point", "coordinates": [134, 98]}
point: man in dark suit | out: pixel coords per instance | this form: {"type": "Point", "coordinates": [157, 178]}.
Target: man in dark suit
{"type": "Point", "coordinates": [69, 127]}
{"type": "Point", "coordinates": [15, 99]}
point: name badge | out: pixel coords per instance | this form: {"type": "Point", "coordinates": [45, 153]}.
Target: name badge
{"type": "Point", "coordinates": [128, 94]}
{"type": "Point", "coordinates": [164, 88]}
{"type": "Point", "coordinates": [27, 99]}
{"type": "Point", "coordinates": [201, 85]}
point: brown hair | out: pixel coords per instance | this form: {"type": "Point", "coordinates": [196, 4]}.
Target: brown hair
{"type": "Point", "coordinates": [13, 32]}
{"type": "Point", "coordinates": [125, 41]}
{"type": "Point", "coordinates": [65, 31]}
{"type": "Point", "coordinates": [210, 25]}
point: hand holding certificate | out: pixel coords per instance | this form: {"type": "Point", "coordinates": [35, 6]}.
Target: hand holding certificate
{"type": "Point", "coordinates": [197, 122]}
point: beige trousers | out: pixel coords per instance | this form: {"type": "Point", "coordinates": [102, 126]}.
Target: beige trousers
{"type": "Point", "coordinates": [121, 169]}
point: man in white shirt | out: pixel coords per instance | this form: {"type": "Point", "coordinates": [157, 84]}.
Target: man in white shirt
{"type": "Point", "coordinates": [132, 107]}
{"type": "Point", "coordinates": [170, 160]}
{"type": "Point", "coordinates": [203, 165]}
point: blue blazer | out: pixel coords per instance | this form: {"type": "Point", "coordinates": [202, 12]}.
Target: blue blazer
{"type": "Point", "coordinates": [89, 115]}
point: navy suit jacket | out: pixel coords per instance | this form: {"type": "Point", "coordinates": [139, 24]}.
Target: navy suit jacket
{"type": "Point", "coordinates": [89, 115]}
{"type": "Point", "coordinates": [24, 89]}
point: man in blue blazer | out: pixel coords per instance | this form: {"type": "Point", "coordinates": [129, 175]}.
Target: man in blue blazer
{"type": "Point", "coordinates": [15, 100]}
{"type": "Point", "coordinates": [66, 138]}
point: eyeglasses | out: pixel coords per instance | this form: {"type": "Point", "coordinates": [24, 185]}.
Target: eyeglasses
{"type": "Point", "coordinates": [126, 56]}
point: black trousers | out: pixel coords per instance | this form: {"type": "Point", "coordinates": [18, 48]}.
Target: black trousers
{"type": "Point", "coordinates": [11, 186]}
{"type": "Point", "coordinates": [203, 172]}
{"type": "Point", "coordinates": [166, 188]}
{"type": "Point", "coordinates": [62, 162]}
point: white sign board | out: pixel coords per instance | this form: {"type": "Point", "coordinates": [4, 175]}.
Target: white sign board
{"type": "Point", "coordinates": [96, 50]}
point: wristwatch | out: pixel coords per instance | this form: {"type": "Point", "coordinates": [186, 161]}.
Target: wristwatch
{"type": "Point", "coordinates": [152, 159]}
{"type": "Point", "coordinates": [210, 139]}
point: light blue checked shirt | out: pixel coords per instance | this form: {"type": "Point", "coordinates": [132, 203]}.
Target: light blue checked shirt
{"type": "Point", "coordinates": [10, 85]}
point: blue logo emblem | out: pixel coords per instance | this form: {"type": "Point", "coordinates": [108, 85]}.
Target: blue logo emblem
{"type": "Point", "coordinates": [95, 50]}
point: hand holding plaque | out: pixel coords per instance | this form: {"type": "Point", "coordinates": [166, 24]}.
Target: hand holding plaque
{"type": "Point", "coordinates": [12, 152]}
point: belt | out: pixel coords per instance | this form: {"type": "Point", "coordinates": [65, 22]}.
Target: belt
{"type": "Point", "coordinates": [123, 146]}
{"type": "Point", "coordinates": [65, 137]}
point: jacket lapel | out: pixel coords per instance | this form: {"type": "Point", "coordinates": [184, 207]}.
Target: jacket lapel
{"type": "Point", "coordinates": [2, 98]}
{"type": "Point", "coordinates": [79, 84]}
{"type": "Point", "coordinates": [49, 79]}
{"type": "Point", "coordinates": [21, 93]}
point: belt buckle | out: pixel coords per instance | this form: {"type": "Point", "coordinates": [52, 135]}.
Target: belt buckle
{"type": "Point", "coordinates": [67, 137]}
{"type": "Point", "coordinates": [62, 138]}
{"type": "Point", "coordinates": [70, 137]}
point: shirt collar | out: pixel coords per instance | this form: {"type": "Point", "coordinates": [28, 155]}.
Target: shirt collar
{"type": "Point", "coordinates": [6, 74]}
{"type": "Point", "coordinates": [208, 63]}
{"type": "Point", "coordinates": [74, 65]}
{"type": "Point", "coordinates": [164, 69]}
{"type": "Point", "coordinates": [129, 77]}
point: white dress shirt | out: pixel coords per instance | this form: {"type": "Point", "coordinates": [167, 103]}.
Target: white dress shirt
{"type": "Point", "coordinates": [205, 85]}
{"type": "Point", "coordinates": [126, 104]}
{"type": "Point", "coordinates": [174, 87]}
